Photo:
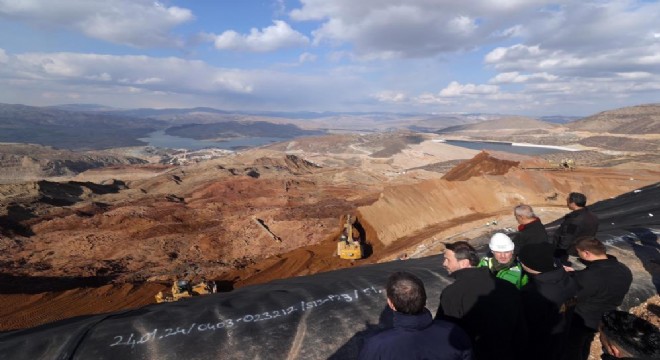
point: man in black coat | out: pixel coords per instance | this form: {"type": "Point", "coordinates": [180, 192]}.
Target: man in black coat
{"type": "Point", "coordinates": [548, 300]}
{"type": "Point", "coordinates": [415, 334]}
{"type": "Point", "coordinates": [488, 308]}
{"type": "Point", "coordinates": [603, 285]}
{"type": "Point", "coordinates": [578, 223]}
{"type": "Point", "coordinates": [530, 228]}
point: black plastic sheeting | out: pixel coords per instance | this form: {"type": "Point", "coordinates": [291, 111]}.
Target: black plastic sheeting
{"type": "Point", "coordinates": [313, 317]}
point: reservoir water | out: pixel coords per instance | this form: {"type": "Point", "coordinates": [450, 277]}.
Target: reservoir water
{"type": "Point", "coordinates": [162, 140]}
{"type": "Point", "coordinates": [524, 149]}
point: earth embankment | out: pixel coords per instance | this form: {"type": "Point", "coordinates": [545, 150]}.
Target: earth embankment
{"type": "Point", "coordinates": [404, 210]}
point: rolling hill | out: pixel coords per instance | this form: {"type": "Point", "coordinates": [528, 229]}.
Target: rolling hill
{"type": "Point", "coordinates": [641, 119]}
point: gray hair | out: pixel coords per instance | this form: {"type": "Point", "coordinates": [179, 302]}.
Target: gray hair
{"type": "Point", "coordinates": [524, 211]}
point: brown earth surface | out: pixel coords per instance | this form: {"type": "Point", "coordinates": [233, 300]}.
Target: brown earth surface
{"type": "Point", "coordinates": [79, 247]}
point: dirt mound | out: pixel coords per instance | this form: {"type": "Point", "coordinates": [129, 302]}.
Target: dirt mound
{"type": "Point", "coordinates": [405, 210]}
{"type": "Point", "coordinates": [482, 164]}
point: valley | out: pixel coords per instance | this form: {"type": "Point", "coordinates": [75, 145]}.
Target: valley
{"type": "Point", "coordinates": [106, 237]}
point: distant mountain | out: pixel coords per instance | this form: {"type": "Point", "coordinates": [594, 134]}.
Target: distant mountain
{"type": "Point", "coordinates": [170, 112]}
{"type": "Point", "coordinates": [153, 113]}
{"type": "Point", "coordinates": [232, 129]}
{"type": "Point", "coordinates": [641, 119]}
{"type": "Point", "coordinates": [81, 107]}
{"type": "Point", "coordinates": [90, 129]}
{"type": "Point", "coordinates": [505, 122]}
{"type": "Point", "coordinates": [74, 130]}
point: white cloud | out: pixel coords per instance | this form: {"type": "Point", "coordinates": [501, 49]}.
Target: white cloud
{"type": "Point", "coordinates": [515, 77]}
{"type": "Point", "coordinates": [138, 23]}
{"type": "Point", "coordinates": [635, 75]}
{"type": "Point", "coordinates": [523, 58]}
{"type": "Point", "coordinates": [455, 89]}
{"type": "Point", "coordinates": [135, 71]}
{"type": "Point", "coordinates": [391, 97]}
{"type": "Point", "coordinates": [307, 57]}
{"type": "Point", "coordinates": [573, 55]}
{"type": "Point", "coordinates": [109, 79]}
{"type": "Point", "coordinates": [3, 56]}
{"type": "Point", "coordinates": [382, 29]}
{"type": "Point", "coordinates": [585, 27]}
{"type": "Point", "coordinates": [280, 35]}
{"type": "Point", "coordinates": [431, 99]}
{"type": "Point", "coordinates": [102, 77]}
{"type": "Point", "coordinates": [462, 24]}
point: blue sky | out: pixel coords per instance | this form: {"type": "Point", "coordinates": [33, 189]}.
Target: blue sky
{"type": "Point", "coordinates": [529, 57]}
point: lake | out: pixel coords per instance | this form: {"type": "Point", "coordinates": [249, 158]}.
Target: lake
{"type": "Point", "coordinates": [517, 148]}
{"type": "Point", "coordinates": [162, 140]}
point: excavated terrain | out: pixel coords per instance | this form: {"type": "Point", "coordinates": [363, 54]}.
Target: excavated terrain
{"type": "Point", "coordinates": [103, 241]}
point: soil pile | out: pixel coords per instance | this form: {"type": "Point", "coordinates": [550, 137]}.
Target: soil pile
{"type": "Point", "coordinates": [482, 164]}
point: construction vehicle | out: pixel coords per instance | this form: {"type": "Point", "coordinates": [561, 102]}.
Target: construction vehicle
{"type": "Point", "coordinates": [184, 289]}
{"type": "Point", "coordinates": [563, 164]}
{"type": "Point", "coordinates": [349, 245]}
{"type": "Point", "coordinates": [567, 164]}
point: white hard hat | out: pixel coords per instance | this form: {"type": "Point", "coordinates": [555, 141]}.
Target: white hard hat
{"type": "Point", "coordinates": [501, 243]}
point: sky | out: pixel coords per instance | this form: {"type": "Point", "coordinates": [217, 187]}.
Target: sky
{"type": "Point", "coordinates": [527, 57]}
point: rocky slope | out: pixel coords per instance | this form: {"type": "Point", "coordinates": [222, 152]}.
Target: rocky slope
{"type": "Point", "coordinates": [642, 119]}
{"type": "Point", "coordinates": [21, 162]}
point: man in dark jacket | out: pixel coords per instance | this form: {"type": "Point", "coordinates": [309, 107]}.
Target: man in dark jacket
{"type": "Point", "coordinates": [603, 285]}
{"type": "Point", "coordinates": [578, 223]}
{"type": "Point", "coordinates": [548, 300]}
{"type": "Point", "coordinates": [415, 334]}
{"type": "Point", "coordinates": [530, 228]}
{"type": "Point", "coordinates": [488, 308]}
{"type": "Point", "coordinates": [625, 336]}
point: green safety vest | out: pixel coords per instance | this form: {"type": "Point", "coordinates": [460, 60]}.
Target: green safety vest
{"type": "Point", "coordinates": [514, 274]}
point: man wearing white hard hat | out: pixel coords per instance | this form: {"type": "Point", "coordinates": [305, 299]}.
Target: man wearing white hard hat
{"type": "Point", "coordinates": [503, 264]}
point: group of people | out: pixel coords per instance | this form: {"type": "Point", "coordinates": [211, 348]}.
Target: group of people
{"type": "Point", "coordinates": [525, 301]}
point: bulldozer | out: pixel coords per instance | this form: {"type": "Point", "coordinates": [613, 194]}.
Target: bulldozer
{"type": "Point", "coordinates": [349, 245]}
{"type": "Point", "coordinates": [182, 289]}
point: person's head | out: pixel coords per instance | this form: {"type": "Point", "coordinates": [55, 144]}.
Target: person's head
{"type": "Point", "coordinates": [406, 293]}
{"type": "Point", "coordinates": [589, 248]}
{"type": "Point", "coordinates": [502, 248]}
{"type": "Point", "coordinates": [625, 335]}
{"type": "Point", "coordinates": [459, 255]}
{"type": "Point", "coordinates": [523, 214]}
{"type": "Point", "coordinates": [537, 258]}
{"type": "Point", "coordinates": [576, 200]}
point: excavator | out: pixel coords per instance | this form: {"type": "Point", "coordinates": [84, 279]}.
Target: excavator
{"type": "Point", "coordinates": [349, 245]}
{"type": "Point", "coordinates": [567, 164]}
{"type": "Point", "coordinates": [182, 289]}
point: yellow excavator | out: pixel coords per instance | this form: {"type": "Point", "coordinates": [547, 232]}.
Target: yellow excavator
{"type": "Point", "coordinates": [349, 245]}
{"type": "Point", "coordinates": [184, 289]}
{"type": "Point", "coordinates": [563, 164]}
